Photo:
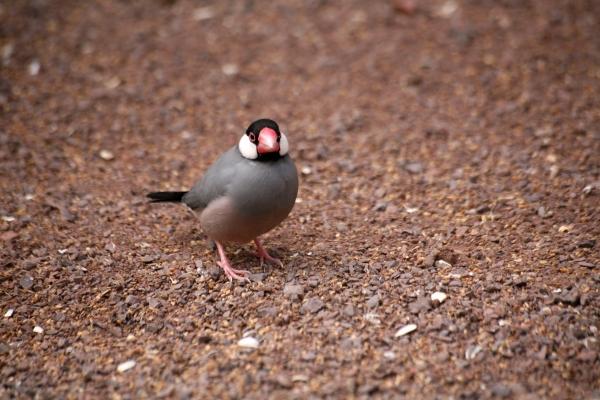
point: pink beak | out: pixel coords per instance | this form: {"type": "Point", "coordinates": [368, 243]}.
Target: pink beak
{"type": "Point", "coordinates": [267, 141]}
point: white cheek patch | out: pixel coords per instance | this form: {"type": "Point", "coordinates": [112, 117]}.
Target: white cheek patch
{"type": "Point", "coordinates": [247, 148]}
{"type": "Point", "coordinates": [284, 146]}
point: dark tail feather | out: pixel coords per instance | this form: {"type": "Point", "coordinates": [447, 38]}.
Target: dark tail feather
{"type": "Point", "coordinates": [162, 197]}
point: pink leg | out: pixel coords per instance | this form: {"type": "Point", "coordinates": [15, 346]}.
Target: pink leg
{"type": "Point", "coordinates": [224, 263]}
{"type": "Point", "coordinates": [264, 256]}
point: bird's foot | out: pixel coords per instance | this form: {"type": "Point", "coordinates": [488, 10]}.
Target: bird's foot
{"type": "Point", "coordinates": [232, 273]}
{"type": "Point", "coordinates": [263, 255]}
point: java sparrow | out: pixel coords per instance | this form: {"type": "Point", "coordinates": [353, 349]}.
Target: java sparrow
{"type": "Point", "coordinates": [247, 192]}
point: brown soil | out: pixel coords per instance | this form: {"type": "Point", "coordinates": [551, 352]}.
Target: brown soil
{"type": "Point", "coordinates": [466, 131]}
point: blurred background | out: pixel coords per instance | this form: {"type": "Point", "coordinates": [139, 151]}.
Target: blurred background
{"type": "Point", "coordinates": [458, 130]}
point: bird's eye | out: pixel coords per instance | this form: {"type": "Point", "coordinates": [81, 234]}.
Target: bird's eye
{"type": "Point", "coordinates": [252, 137]}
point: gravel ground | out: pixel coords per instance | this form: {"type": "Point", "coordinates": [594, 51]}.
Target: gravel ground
{"type": "Point", "coordinates": [445, 146]}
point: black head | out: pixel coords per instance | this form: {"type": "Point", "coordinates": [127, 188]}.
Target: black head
{"type": "Point", "coordinates": [259, 124]}
{"type": "Point", "coordinates": [263, 141]}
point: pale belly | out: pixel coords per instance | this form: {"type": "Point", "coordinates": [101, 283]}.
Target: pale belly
{"type": "Point", "coordinates": [221, 222]}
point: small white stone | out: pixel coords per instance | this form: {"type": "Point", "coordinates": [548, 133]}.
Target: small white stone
{"type": "Point", "coordinates": [230, 69]}
{"type": "Point", "coordinates": [447, 9]}
{"type": "Point", "coordinates": [306, 170]}
{"type": "Point", "coordinates": [442, 264]}
{"type": "Point", "coordinates": [29, 197]}
{"type": "Point", "coordinates": [62, 251]}
{"type": "Point", "coordinates": [112, 83]}
{"type": "Point", "coordinates": [8, 218]}
{"type": "Point", "coordinates": [405, 330]}
{"type": "Point", "coordinates": [299, 378]}
{"type": "Point", "coordinates": [565, 228]}
{"type": "Point", "coordinates": [185, 135]}
{"type": "Point", "coordinates": [248, 342]}
{"type": "Point", "coordinates": [9, 313]}
{"type": "Point", "coordinates": [298, 200]}
{"type": "Point", "coordinates": [7, 51]}
{"type": "Point", "coordinates": [373, 318]}
{"type": "Point", "coordinates": [34, 68]}
{"type": "Point", "coordinates": [125, 366]}
{"type": "Point", "coordinates": [411, 210]}
{"type": "Point", "coordinates": [546, 310]}
{"type": "Point", "coordinates": [106, 155]}
{"type": "Point", "coordinates": [130, 337]}
{"type": "Point", "coordinates": [38, 329]}
{"type": "Point", "coordinates": [439, 297]}
{"type": "Point", "coordinates": [390, 355]}
{"type": "Point", "coordinates": [472, 352]}
{"type": "Point", "coordinates": [203, 13]}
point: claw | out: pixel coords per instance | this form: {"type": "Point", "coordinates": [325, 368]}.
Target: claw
{"type": "Point", "coordinates": [263, 255]}
{"type": "Point", "coordinates": [230, 272]}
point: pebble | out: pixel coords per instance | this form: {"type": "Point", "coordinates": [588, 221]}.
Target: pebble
{"type": "Point", "coordinates": [248, 342]}
{"type": "Point", "coordinates": [299, 378]}
{"type": "Point", "coordinates": [126, 366]}
{"type": "Point", "coordinates": [407, 7]}
{"type": "Point", "coordinates": [306, 170]}
{"type": "Point", "coordinates": [414, 167]}
{"type": "Point", "coordinates": [501, 390]}
{"type": "Point", "coordinates": [9, 313]}
{"type": "Point", "coordinates": [380, 206]}
{"type": "Point", "coordinates": [440, 297]}
{"type": "Point", "coordinates": [312, 305]}
{"type": "Point", "coordinates": [348, 310]}
{"type": "Point", "coordinates": [442, 264]}
{"type": "Point", "coordinates": [587, 244]}
{"type": "Point", "coordinates": [34, 68]}
{"type": "Point", "coordinates": [26, 282]}
{"type": "Point", "coordinates": [293, 290]}
{"type": "Point", "coordinates": [7, 51]}
{"type": "Point", "coordinates": [112, 83]}
{"type": "Point", "coordinates": [147, 259]}
{"type": "Point", "coordinates": [447, 9]}
{"type": "Point", "coordinates": [230, 69]}
{"type": "Point", "coordinates": [373, 301]}
{"type": "Point", "coordinates": [472, 352]}
{"type": "Point", "coordinates": [203, 13]}
{"type": "Point", "coordinates": [565, 228]}
{"type": "Point", "coordinates": [8, 218]}
{"type": "Point", "coordinates": [106, 155]}
{"type": "Point", "coordinates": [373, 318]}
{"type": "Point", "coordinates": [571, 297]}
{"type": "Point", "coordinates": [588, 189]}
{"type": "Point", "coordinates": [420, 305]}
{"type": "Point", "coordinates": [405, 330]}
{"type": "Point", "coordinates": [110, 247]}
{"type": "Point", "coordinates": [482, 209]}
{"type": "Point", "coordinates": [38, 329]}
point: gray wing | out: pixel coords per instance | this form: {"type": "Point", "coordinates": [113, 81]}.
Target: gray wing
{"type": "Point", "coordinates": [215, 181]}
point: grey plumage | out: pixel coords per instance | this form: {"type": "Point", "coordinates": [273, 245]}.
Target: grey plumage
{"type": "Point", "coordinates": [254, 196]}
{"type": "Point", "coordinates": [248, 191]}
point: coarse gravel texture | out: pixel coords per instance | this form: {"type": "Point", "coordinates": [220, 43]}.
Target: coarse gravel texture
{"type": "Point", "coordinates": [445, 146]}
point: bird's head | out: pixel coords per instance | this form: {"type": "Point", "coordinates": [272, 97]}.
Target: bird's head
{"type": "Point", "coordinates": [263, 141]}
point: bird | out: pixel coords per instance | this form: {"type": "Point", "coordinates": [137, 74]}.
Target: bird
{"type": "Point", "coordinates": [245, 193]}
